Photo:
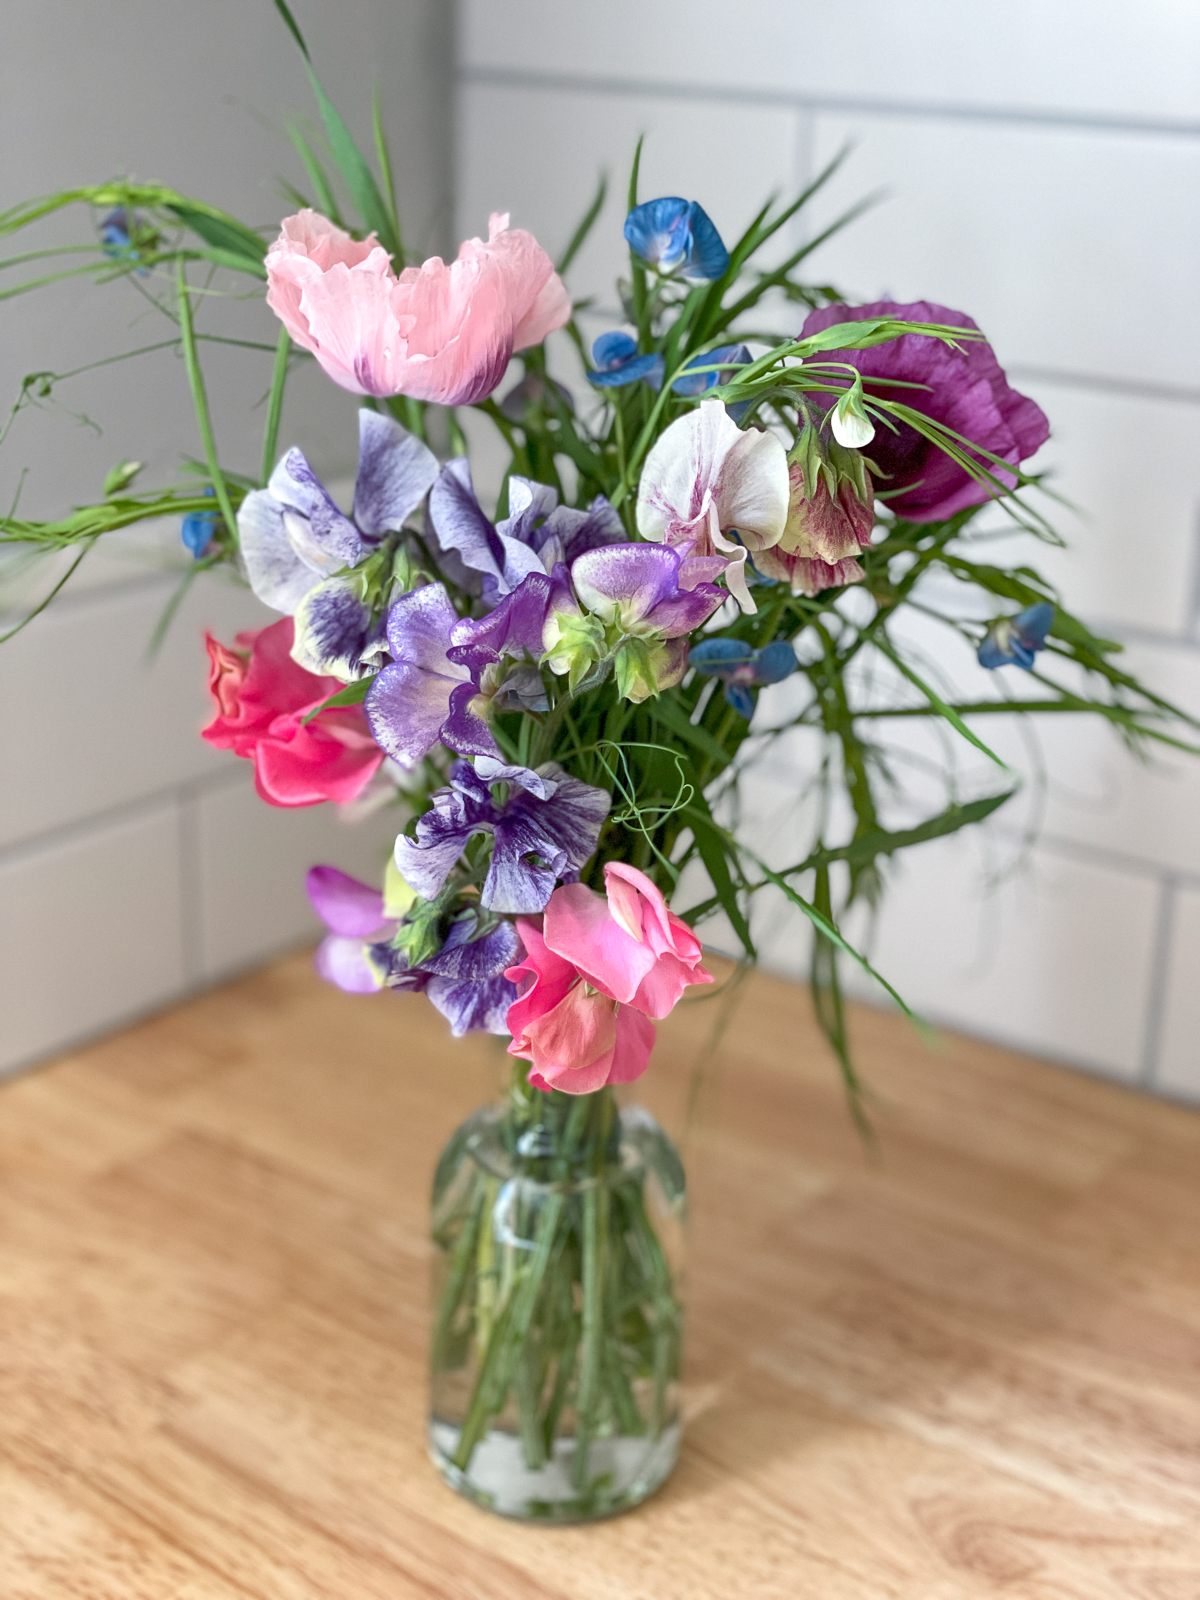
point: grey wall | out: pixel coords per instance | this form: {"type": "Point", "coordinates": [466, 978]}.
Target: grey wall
{"type": "Point", "coordinates": [136, 862]}
{"type": "Point", "coordinates": [1041, 160]}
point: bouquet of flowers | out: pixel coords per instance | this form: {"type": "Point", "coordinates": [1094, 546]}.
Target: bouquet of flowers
{"type": "Point", "coordinates": [563, 694]}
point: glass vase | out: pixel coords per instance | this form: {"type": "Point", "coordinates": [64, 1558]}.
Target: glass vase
{"type": "Point", "coordinates": [558, 1232]}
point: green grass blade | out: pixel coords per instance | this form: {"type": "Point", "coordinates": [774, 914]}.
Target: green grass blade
{"type": "Point", "coordinates": [585, 227]}
{"type": "Point", "coordinates": [275, 403]}
{"type": "Point", "coordinates": [200, 402]}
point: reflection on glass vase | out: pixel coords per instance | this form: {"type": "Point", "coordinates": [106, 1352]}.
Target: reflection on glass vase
{"type": "Point", "coordinates": [558, 1226]}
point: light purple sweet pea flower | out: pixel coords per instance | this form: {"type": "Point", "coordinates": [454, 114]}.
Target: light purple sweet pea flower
{"type": "Point", "coordinates": [542, 834]}
{"type": "Point", "coordinates": [291, 534]}
{"type": "Point", "coordinates": [536, 535]}
{"type": "Point", "coordinates": [423, 696]}
{"type": "Point", "coordinates": [647, 589]}
{"type": "Point", "coordinates": [965, 389]}
{"type": "Point", "coordinates": [353, 912]}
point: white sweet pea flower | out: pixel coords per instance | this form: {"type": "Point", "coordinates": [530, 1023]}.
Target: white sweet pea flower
{"type": "Point", "coordinates": [710, 488]}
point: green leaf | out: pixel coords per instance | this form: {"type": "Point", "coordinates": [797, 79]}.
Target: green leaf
{"type": "Point", "coordinates": [352, 695]}
{"type": "Point", "coordinates": [935, 700]}
{"type": "Point", "coordinates": [714, 847]}
{"type": "Point", "coordinates": [223, 232]}
{"type": "Point", "coordinates": [585, 227]}
{"type": "Point", "coordinates": [668, 711]}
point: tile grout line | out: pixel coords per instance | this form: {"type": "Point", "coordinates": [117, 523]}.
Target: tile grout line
{"type": "Point", "coordinates": [1156, 998]}
{"type": "Point", "coordinates": [659, 88]}
{"type": "Point", "coordinates": [112, 816]}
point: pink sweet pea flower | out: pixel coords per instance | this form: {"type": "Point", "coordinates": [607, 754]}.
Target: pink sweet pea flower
{"type": "Point", "coordinates": [576, 1039]}
{"type": "Point", "coordinates": [262, 699]}
{"type": "Point", "coordinates": [597, 970]}
{"type": "Point", "coordinates": [705, 480]}
{"type": "Point", "coordinates": [437, 332]}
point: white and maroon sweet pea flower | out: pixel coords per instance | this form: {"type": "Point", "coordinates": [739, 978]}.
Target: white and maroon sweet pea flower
{"type": "Point", "coordinates": [291, 534]}
{"type": "Point", "coordinates": [710, 488]}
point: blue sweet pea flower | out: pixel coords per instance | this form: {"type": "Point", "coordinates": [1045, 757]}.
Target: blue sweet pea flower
{"type": "Point", "coordinates": [677, 236]}
{"type": "Point", "coordinates": [740, 666]}
{"type": "Point", "coordinates": [116, 237]}
{"type": "Point", "coordinates": [1014, 641]}
{"type": "Point", "coordinates": [196, 530]}
{"type": "Point", "coordinates": [732, 355]}
{"type": "Point", "coordinates": [618, 363]}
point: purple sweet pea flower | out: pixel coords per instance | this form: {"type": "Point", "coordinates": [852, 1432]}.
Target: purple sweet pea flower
{"type": "Point", "coordinates": [424, 696]}
{"type": "Point", "coordinates": [966, 390]}
{"type": "Point", "coordinates": [537, 534]}
{"type": "Point", "coordinates": [465, 980]}
{"type": "Point", "coordinates": [541, 835]}
{"type": "Point", "coordinates": [291, 534]}
{"type": "Point", "coordinates": [646, 589]}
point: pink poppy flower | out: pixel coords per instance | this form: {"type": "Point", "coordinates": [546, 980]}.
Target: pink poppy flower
{"type": "Point", "coordinates": [594, 973]}
{"type": "Point", "coordinates": [262, 699]}
{"type": "Point", "coordinates": [436, 332]}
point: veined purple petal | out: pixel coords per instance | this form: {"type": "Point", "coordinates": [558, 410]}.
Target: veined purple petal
{"type": "Point", "coordinates": [578, 531]}
{"type": "Point", "coordinates": [392, 970]}
{"type": "Point", "coordinates": [681, 613]}
{"type": "Point", "coordinates": [344, 961]}
{"type": "Point", "coordinates": [459, 524]}
{"type": "Point", "coordinates": [395, 473]}
{"type": "Point", "coordinates": [473, 1007]}
{"type": "Point", "coordinates": [465, 957]}
{"type": "Point", "coordinates": [419, 626]}
{"type": "Point", "coordinates": [465, 728]}
{"type": "Point", "coordinates": [560, 833]}
{"type": "Point", "coordinates": [455, 813]}
{"type": "Point", "coordinates": [334, 630]}
{"type": "Point", "coordinates": [322, 535]}
{"type": "Point", "coordinates": [541, 784]}
{"type": "Point", "coordinates": [406, 707]}
{"type": "Point", "coordinates": [278, 576]}
{"type": "Point", "coordinates": [343, 904]}
{"type": "Point", "coordinates": [529, 504]}
{"type": "Point", "coordinates": [627, 578]}
{"type": "Point", "coordinates": [514, 628]}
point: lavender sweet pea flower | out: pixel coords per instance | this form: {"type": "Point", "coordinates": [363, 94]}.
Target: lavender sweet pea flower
{"type": "Point", "coordinates": [1014, 641]}
{"type": "Point", "coordinates": [618, 363]}
{"type": "Point", "coordinates": [536, 535]}
{"type": "Point", "coordinates": [965, 389]}
{"type": "Point", "coordinates": [354, 914]}
{"type": "Point", "coordinates": [292, 535]}
{"type": "Point", "coordinates": [643, 589]}
{"type": "Point", "coordinates": [542, 834]}
{"type": "Point", "coordinates": [423, 696]}
{"type": "Point", "coordinates": [677, 236]}
{"type": "Point", "coordinates": [739, 666]}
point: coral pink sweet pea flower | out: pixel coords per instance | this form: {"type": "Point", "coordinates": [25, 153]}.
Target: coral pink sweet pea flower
{"type": "Point", "coordinates": [594, 973]}
{"type": "Point", "coordinates": [706, 481]}
{"type": "Point", "coordinates": [436, 332]}
{"type": "Point", "coordinates": [262, 699]}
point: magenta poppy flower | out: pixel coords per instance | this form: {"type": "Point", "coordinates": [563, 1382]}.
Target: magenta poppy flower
{"type": "Point", "coordinates": [263, 698]}
{"type": "Point", "coordinates": [437, 332]}
{"type": "Point", "coordinates": [965, 389]}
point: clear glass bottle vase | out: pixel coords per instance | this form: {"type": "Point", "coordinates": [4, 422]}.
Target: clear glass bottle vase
{"type": "Point", "coordinates": [558, 1232]}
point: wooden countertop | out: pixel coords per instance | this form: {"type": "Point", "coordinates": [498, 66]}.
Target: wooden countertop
{"type": "Point", "coordinates": [969, 1368]}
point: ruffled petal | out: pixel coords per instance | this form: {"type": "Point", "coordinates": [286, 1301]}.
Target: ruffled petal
{"type": "Point", "coordinates": [343, 904]}
{"type": "Point", "coordinates": [395, 473]}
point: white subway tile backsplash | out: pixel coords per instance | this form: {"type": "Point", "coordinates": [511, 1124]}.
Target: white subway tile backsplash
{"type": "Point", "coordinates": [1177, 1070]}
{"type": "Point", "coordinates": [540, 153]}
{"type": "Point", "coordinates": [1015, 54]}
{"type": "Point", "coordinates": [88, 723]}
{"type": "Point", "coordinates": [249, 867]}
{"type": "Point", "coordinates": [90, 932]}
{"type": "Point", "coordinates": [1054, 959]}
{"type": "Point", "coordinates": [1020, 227]}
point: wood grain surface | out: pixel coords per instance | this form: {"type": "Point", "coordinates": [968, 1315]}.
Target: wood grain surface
{"type": "Point", "coordinates": [968, 1367]}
